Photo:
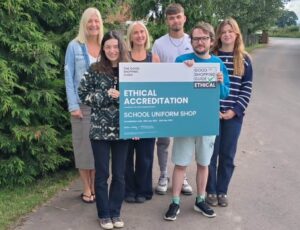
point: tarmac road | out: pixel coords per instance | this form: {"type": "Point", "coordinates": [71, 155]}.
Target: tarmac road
{"type": "Point", "coordinates": [265, 189]}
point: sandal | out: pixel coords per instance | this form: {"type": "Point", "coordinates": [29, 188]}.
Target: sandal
{"type": "Point", "coordinates": [90, 198]}
{"type": "Point", "coordinates": [93, 196]}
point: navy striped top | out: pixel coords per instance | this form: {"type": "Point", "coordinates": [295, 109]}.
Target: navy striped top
{"type": "Point", "coordinates": [240, 87]}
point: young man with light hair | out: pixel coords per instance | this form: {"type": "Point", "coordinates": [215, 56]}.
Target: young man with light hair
{"type": "Point", "coordinates": [168, 47]}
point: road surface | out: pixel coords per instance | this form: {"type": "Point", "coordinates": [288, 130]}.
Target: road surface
{"type": "Point", "coordinates": [265, 189]}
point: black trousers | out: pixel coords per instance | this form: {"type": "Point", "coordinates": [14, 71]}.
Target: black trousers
{"type": "Point", "coordinates": [138, 176]}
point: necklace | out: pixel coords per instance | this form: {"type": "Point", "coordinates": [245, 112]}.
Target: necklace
{"type": "Point", "coordinates": [93, 50]}
{"type": "Point", "coordinates": [174, 43]}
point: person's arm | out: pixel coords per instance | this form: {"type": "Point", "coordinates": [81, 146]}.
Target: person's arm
{"type": "Point", "coordinates": [155, 50]}
{"type": "Point", "coordinates": [90, 96]}
{"type": "Point", "coordinates": [179, 59]}
{"type": "Point", "coordinates": [69, 70]}
{"type": "Point", "coordinates": [225, 85]}
{"type": "Point", "coordinates": [155, 58]}
{"type": "Point", "coordinates": [245, 90]}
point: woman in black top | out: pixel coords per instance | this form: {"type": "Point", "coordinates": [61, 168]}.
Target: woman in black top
{"type": "Point", "coordinates": [138, 175]}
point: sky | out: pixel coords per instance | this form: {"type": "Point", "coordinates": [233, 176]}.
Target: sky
{"type": "Point", "coordinates": [294, 5]}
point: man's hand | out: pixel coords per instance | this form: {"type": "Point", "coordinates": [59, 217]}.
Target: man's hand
{"type": "Point", "coordinates": [220, 77]}
{"type": "Point", "coordinates": [189, 63]}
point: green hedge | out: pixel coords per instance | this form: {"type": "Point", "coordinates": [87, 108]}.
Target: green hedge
{"type": "Point", "coordinates": [290, 32]}
{"type": "Point", "coordinates": [34, 128]}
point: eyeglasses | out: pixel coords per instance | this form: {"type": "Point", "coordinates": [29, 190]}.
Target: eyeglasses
{"type": "Point", "coordinates": [202, 39]}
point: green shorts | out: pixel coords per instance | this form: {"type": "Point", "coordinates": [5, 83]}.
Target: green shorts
{"type": "Point", "coordinates": [185, 147]}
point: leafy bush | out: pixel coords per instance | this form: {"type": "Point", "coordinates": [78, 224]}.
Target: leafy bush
{"type": "Point", "coordinates": [290, 31]}
{"type": "Point", "coordinates": [34, 128]}
{"type": "Point", "coordinates": [293, 28]}
{"type": "Point", "coordinates": [33, 121]}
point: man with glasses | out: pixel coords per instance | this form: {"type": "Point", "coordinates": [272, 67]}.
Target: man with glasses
{"type": "Point", "coordinates": [202, 37]}
{"type": "Point", "coordinates": [168, 47]}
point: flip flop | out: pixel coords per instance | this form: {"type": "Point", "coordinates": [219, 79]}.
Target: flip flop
{"type": "Point", "coordinates": [93, 196]}
{"type": "Point", "coordinates": [82, 196]}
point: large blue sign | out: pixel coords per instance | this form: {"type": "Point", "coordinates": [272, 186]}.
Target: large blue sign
{"type": "Point", "coordinates": [168, 100]}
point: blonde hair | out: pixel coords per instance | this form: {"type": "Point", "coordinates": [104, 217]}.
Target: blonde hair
{"type": "Point", "coordinates": [82, 33]}
{"type": "Point", "coordinates": [239, 51]}
{"type": "Point", "coordinates": [129, 33]}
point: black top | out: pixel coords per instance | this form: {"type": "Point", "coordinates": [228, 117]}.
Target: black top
{"type": "Point", "coordinates": [147, 59]}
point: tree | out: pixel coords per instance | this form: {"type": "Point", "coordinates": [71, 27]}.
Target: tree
{"type": "Point", "coordinates": [287, 18]}
{"type": "Point", "coordinates": [251, 15]}
{"type": "Point", "coordinates": [153, 12]}
{"type": "Point", "coordinates": [34, 128]}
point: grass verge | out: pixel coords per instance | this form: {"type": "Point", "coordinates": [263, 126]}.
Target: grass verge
{"type": "Point", "coordinates": [20, 200]}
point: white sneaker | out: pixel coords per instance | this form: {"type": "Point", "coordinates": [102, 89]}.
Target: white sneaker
{"type": "Point", "coordinates": [162, 185]}
{"type": "Point", "coordinates": [117, 222]}
{"type": "Point", "coordinates": [106, 223]}
{"type": "Point", "coordinates": [186, 188]}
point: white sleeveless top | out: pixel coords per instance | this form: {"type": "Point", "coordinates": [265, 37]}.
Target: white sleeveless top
{"type": "Point", "coordinates": [92, 59]}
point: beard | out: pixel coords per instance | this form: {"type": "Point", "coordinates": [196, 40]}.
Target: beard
{"type": "Point", "coordinates": [200, 52]}
{"type": "Point", "coordinates": [176, 28]}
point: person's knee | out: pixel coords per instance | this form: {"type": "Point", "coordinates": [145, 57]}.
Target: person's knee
{"type": "Point", "coordinates": [202, 166]}
{"type": "Point", "coordinates": [180, 168]}
{"type": "Point", "coordinates": [120, 178]}
{"type": "Point", "coordinates": [163, 141]}
{"type": "Point", "coordinates": [101, 178]}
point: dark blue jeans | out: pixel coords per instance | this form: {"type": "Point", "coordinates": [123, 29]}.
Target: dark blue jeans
{"type": "Point", "coordinates": [109, 203]}
{"type": "Point", "coordinates": [138, 176]}
{"type": "Point", "coordinates": [222, 161]}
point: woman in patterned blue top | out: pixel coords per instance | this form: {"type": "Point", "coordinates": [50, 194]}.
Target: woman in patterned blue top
{"type": "Point", "coordinates": [230, 48]}
{"type": "Point", "coordinates": [99, 89]}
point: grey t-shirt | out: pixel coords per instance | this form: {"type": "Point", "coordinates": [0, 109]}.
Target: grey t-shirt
{"type": "Point", "coordinates": [168, 48]}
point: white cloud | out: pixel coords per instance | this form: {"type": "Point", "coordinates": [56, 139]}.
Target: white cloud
{"type": "Point", "coordinates": [294, 5]}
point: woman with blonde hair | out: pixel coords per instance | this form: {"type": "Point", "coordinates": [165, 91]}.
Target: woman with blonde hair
{"type": "Point", "coordinates": [138, 175]}
{"type": "Point", "coordinates": [229, 46]}
{"type": "Point", "coordinates": [81, 53]}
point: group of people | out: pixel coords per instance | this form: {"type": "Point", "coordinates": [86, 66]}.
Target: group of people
{"type": "Point", "coordinates": [92, 86]}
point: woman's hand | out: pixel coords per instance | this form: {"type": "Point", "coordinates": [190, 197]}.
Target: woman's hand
{"type": "Point", "coordinates": [228, 114]}
{"type": "Point", "coordinates": [113, 93]}
{"type": "Point", "coordinates": [77, 114]}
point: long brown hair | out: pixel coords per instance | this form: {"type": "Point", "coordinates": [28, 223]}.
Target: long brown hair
{"type": "Point", "coordinates": [239, 52]}
{"type": "Point", "coordinates": [105, 65]}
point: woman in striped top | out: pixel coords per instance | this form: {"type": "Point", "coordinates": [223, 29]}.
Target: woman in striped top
{"type": "Point", "coordinates": [230, 48]}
